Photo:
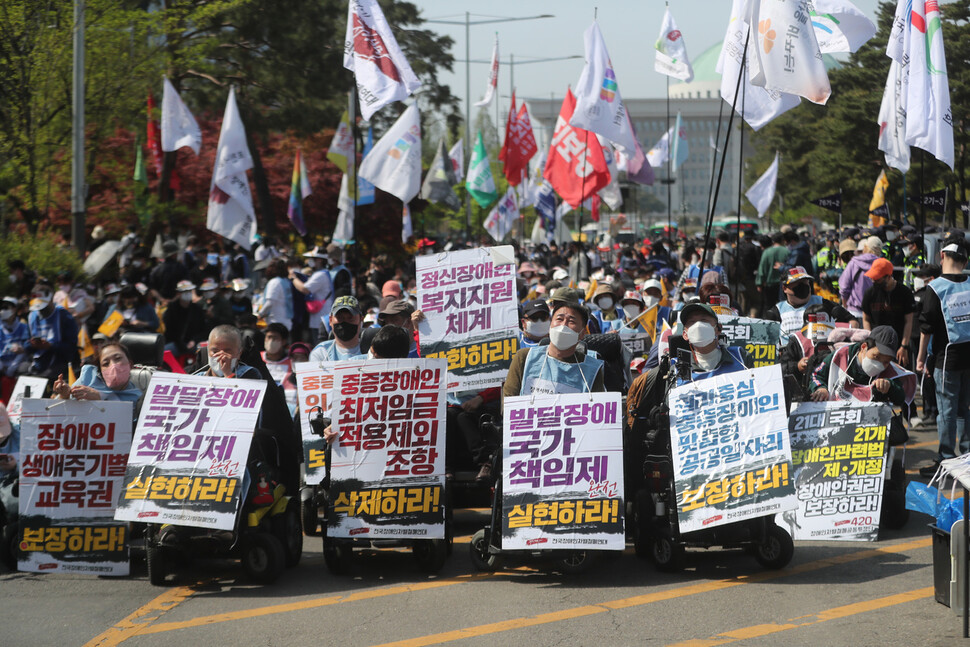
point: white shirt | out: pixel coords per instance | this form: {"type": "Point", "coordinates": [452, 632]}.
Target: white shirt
{"type": "Point", "coordinates": [274, 303]}
{"type": "Point", "coordinates": [320, 287]}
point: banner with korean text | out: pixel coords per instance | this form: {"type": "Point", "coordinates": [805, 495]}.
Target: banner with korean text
{"type": "Point", "coordinates": [72, 462]}
{"type": "Point", "coordinates": [387, 472]}
{"type": "Point", "coordinates": [471, 314]}
{"type": "Point", "coordinates": [732, 458]}
{"type": "Point", "coordinates": [757, 339]}
{"type": "Point", "coordinates": [562, 475]}
{"type": "Point", "coordinates": [314, 382]}
{"type": "Point", "coordinates": [188, 458]}
{"type": "Point", "coordinates": [27, 386]}
{"type": "Point", "coordinates": [839, 457]}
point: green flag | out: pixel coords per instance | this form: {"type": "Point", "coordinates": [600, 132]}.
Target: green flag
{"type": "Point", "coordinates": [480, 183]}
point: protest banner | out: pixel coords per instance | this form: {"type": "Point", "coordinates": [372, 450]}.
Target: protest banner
{"type": "Point", "coordinates": [732, 458]}
{"type": "Point", "coordinates": [27, 386]}
{"type": "Point", "coordinates": [72, 462]}
{"type": "Point", "coordinates": [470, 306]}
{"type": "Point", "coordinates": [387, 472]}
{"type": "Point", "coordinates": [839, 461]}
{"type": "Point", "coordinates": [758, 339]}
{"type": "Point", "coordinates": [314, 383]}
{"type": "Point", "coordinates": [189, 454]}
{"type": "Point", "coordinates": [638, 343]}
{"type": "Point", "coordinates": [562, 476]}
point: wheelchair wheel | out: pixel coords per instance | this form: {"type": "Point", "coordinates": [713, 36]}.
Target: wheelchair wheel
{"type": "Point", "coordinates": [263, 557]}
{"type": "Point", "coordinates": [776, 550]}
{"type": "Point", "coordinates": [575, 562]}
{"type": "Point", "coordinates": [430, 554]}
{"type": "Point", "coordinates": [894, 513]}
{"type": "Point", "coordinates": [288, 529]}
{"type": "Point", "coordinates": [338, 555]}
{"type": "Point", "coordinates": [482, 560]}
{"type": "Point", "coordinates": [156, 557]}
{"type": "Point", "coordinates": [10, 545]}
{"type": "Point", "coordinates": [308, 517]}
{"type": "Point", "coordinates": [666, 554]}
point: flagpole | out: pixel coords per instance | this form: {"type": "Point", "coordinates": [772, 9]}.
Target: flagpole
{"type": "Point", "coordinates": [840, 209]}
{"type": "Point", "coordinates": [922, 211]}
{"type": "Point", "coordinates": [352, 116]}
{"type": "Point", "coordinates": [905, 218]}
{"type": "Point", "coordinates": [744, 95]}
{"type": "Point", "coordinates": [670, 152]}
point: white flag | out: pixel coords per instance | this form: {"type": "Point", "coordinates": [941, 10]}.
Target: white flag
{"type": "Point", "coordinates": [840, 27]}
{"type": "Point", "coordinates": [492, 77]}
{"type": "Point", "coordinates": [343, 232]}
{"type": "Point", "coordinates": [179, 127]}
{"type": "Point", "coordinates": [501, 220]}
{"type": "Point", "coordinates": [231, 213]}
{"type": "Point", "coordinates": [660, 153]}
{"type": "Point", "coordinates": [786, 55]}
{"type": "Point", "coordinates": [762, 192]}
{"type": "Point", "coordinates": [611, 192]}
{"type": "Point", "coordinates": [760, 105]}
{"type": "Point", "coordinates": [394, 164]}
{"type": "Point", "coordinates": [457, 155]}
{"type": "Point", "coordinates": [892, 121]}
{"type": "Point", "coordinates": [929, 121]}
{"type": "Point", "coordinates": [371, 52]}
{"type": "Point", "coordinates": [599, 106]}
{"type": "Point", "coordinates": [672, 52]}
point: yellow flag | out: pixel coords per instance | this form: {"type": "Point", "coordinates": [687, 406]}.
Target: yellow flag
{"type": "Point", "coordinates": [591, 289]}
{"type": "Point", "coordinates": [649, 321]}
{"type": "Point", "coordinates": [84, 343]}
{"type": "Point", "coordinates": [71, 379]}
{"type": "Point", "coordinates": [878, 200]}
{"type": "Point", "coordinates": [111, 325]}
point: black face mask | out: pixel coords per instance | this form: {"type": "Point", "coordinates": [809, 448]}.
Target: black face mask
{"type": "Point", "coordinates": [345, 331]}
{"type": "Point", "coordinates": [802, 290]}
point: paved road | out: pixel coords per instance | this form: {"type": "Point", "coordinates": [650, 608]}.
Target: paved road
{"type": "Point", "coordinates": [832, 594]}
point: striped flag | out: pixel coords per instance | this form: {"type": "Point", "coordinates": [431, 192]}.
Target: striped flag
{"type": "Point", "coordinates": [299, 190]}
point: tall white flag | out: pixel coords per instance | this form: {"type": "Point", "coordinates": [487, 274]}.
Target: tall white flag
{"type": "Point", "coordinates": [179, 127]}
{"type": "Point", "coordinates": [599, 106]}
{"type": "Point", "coordinates": [840, 27]}
{"type": "Point", "coordinates": [231, 213]}
{"type": "Point", "coordinates": [371, 52]}
{"type": "Point", "coordinates": [672, 52]}
{"type": "Point", "coordinates": [457, 156]}
{"type": "Point", "coordinates": [762, 192]}
{"type": "Point", "coordinates": [786, 55]}
{"type": "Point", "coordinates": [892, 121]}
{"type": "Point", "coordinates": [929, 121]}
{"type": "Point", "coordinates": [394, 164]}
{"type": "Point", "coordinates": [501, 220]}
{"type": "Point", "coordinates": [611, 192]}
{"type": "Point", "coordinates": [760, 105]}
{"type": "Point", "coordinates": [343, 232]}
{"type": "Point", "coordinates": [660, 153]}
{"type": "Point", "coordinates": [492, 77]}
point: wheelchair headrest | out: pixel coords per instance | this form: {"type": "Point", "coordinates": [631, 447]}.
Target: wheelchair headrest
{"type": "Point", "coordinates": [145, 348]}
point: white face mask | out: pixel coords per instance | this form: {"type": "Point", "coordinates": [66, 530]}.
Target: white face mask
{"type": "Point", "coordinates": [6, 314]}
{"type": "Point", "coordinates": [12, 277]}
{"type": "Point", "coordinates": [208, 294]}
{"type": "Point", "coordinates": [909, 251]}
{"type": "Point", "coordinates": [273, 347]}
{"type": "Point", "coordinates": [40, 302]}
{"type": "Point", "coordinates": [872, 367]}
{"type": "Point", "coordinates": [605, 303]}
{"type": "Point", "coordinates": [649, 302]}
{"type": "Point", "coordinates": [890, 236]}
{"type": "Point", "coordinates": [186, 297]}
{"type": "Point", "coordinates": [701, 333]}
{"type": "Point", "coordinates": [918, 284]}
{"type": "Point", "coordinates": [217, 369]}
{"type": "Point", "coordinates": [631, 312]}
{"type": "Point", "coordinates": [708, 361]}
{"type": "Point", "coordinates": [537, 328]}
{"type": "Point", "coordinates": [563, 337]}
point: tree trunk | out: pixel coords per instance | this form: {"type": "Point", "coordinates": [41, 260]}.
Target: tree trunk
{"type": "Point", "coordinates": [263, 197]}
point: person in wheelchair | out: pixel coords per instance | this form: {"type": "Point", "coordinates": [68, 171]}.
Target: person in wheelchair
{"type": "Point", "coordinates": [708, 357]}
{"type": "Point", "coordinates": [109, 378]}
{"type": "Point", "coordinates": [224, 350]}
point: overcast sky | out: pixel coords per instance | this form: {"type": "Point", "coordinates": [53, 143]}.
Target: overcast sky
{"type": "Point", "coordinates": [630, 28]}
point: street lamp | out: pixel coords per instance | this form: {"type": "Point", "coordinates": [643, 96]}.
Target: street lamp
{"type": "Point", "coordinates": [468, 22]}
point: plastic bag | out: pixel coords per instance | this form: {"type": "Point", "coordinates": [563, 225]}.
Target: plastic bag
{"type": "Point", "coordinates": [926, 499]}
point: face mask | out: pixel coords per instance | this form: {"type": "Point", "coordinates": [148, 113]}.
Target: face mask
{"type": "Point", "coordinates": [649, 302]}
{"type": "Point", "coordinates": [40, 302]}
{"type": "Point", "coordinates": [802, 290]}
{"type": "Point", "coordinates": [537, 328]}
{"type": "Point", "coordinates": [136, 263]}
{"type": "Point", "coordinates": [871, 367]}
{"type": "Point", "coordinates": [12, 277]}
{"type": "Point", "coordinates": [116, 376]}
{"type": "Point", "coordinates": [890, 236]}
{"type": "Point", "coordinates": [208, 294]}
{"type": "Point", "coordinates": [273, 347]}
{"type": "Point", "coordinates": [186, 297]}
{"type": "Point", "coordinates": [631, 312]}
{"type": "Point", "coordinates": [701, 334]}
{"type": "Point", "coordinates": [909, 251]}
{"type": "Point", "coordinates": [345, 331]}
{"type": "Point", "coordinates": [217, 369]}
{"type": "Point", "coordinates": [606, 303]}
{"type": "Point", "coordinates": [6, 314]}
{"type": "Point", "coordinates": [563, 337]}
{"type": "Point", "coordinates": [708, 361]}
{"type": "Point", "coordinates": [918, 284]}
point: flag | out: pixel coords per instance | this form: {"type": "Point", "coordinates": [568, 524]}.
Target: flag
{"type": "Point", "coordinates": [492, 77]}
{"type": "Point", "coordinates": [672, 51]}
{"type": "Point", "coordinates": [407, 230]}
{"type": "Point", "coordinates": [660, 153]}
{"type": "Point", "coordinates": [878, 199]}
{"type": "Point", "coordinates": [892, 120]}
{"type": "Point", "coordinates": [934, 200]}
{"type": "Point", "coordinates": [786, 56]}
{"type": "Point", "coordinates": [179, 127]}
{"type": "Point", "coordinates": [576, 168]}
{"type": "Point", "coordinates": [831, 202]}
{"type": "Point", "coordinates": [341, 150]}
{"type": "Point", "coordinates": [299, 190]}
{"type": "Point", "coordinates": [457, 156]}
{"type": "Point", "coordinates": [929, 121]}
{"type": "Point", "coordinates": [480, 183]}
{"type": "Point", "coordinates": [154, 136]}
{"type": "Point", "coordinates": [879, 216]}
{"type": "Point", "coordinates": [759, 106]}
{"type": "Point", "coordinates": [371, 52]}
{"type": "Point", "coordinates": [762, 192]}
{"type": "Point", "coordinates": [230, 212]}
{"type": "Point", "coordinates": [594, 207]}
{"type": "Point", "coordinates": [140, 176]}
{"type": "Point", "coordinates": [546, 208]}
{"type": "Point", "coordinates": [840, 27]}
{"type": "Point", "coordinates": [611, 192]}
{"type": "Point", "coordinates": [501, 220]}
{"type": "Point", "coordinates": [637, 168]}
{"type": "Point", "coordinates": [343, 232]}
{"type": "Point", "coordinates": [394, 164]}
{"type": "Point", "coordinates": [520, 144]}
{"type": "Point", "coordinates": [680, 143]}
{"type": "Point", "coordinates": [365, 190]}
{"type": "Point", "coordinates": [599, 106]}
{"type": "Point", "coordinates": [439, 180]}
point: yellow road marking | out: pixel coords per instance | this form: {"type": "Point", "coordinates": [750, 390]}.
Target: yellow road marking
{"type": "Point", "coordinates": [142, 617]}
{"type": "Point", "coordinates": [639, 600]}
{"type": "Point", "coordinates": [758, 631]}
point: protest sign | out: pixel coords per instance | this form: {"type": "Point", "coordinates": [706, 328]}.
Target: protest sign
{"type": "Point", "coordinates": [25, 383]}
{"type": "Point", "coordinates": [758, 339]}
{"type": "Point", "coordinates": [314, 382]}
{"type": "Point", "coordinates": [732, 458]}
{"type": "Point", "coordinates": [562, 476]}
{"type": "Point", "coordinates": [839, 458]}
{"type": "Point", "coordinates": [190, 450]}
{"type": "Point", "coordinates": [638, 343]}
{"type": "Point", "coordinates": [387, 471]}
{"type": "Point", "coordinates": [72, 461]}
{"type": "Point", "coordinates": [470, 306]}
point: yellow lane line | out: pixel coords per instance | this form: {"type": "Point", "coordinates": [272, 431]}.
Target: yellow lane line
{"type": "Point", "coordinates": [142, 617]}
{"type": "Point", "coordinates": [757, 631]}
{"type": "Point", "coordinates": [639, 600]}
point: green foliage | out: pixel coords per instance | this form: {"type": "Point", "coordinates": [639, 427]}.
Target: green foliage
{"type": "Point", "coordinates": [42, 253]}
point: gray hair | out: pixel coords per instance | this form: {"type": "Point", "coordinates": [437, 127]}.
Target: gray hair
{"type": "Point", "coordinates": [226, 331]}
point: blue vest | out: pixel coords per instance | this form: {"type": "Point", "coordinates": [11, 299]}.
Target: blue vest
{"type": "Point", "coordinates": [792, 318]}
{"type": "Point", "coordinates": [730, 363]}
{"type": "Point", "coordinates": [525, 342]}
{"type": "Point", "coordinates": [328, 351]}
{"type": "Point", "coordinates": [544, 374]}
{"type": "Point", "coordinates": [607, 326]}
{"type": "Point", "coordinates": [955, 301]}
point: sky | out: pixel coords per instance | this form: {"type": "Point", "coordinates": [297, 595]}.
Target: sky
{"type": "Point", "coordinates": [630, 28]}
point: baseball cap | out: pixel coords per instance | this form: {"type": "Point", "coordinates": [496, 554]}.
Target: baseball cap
{"type": "Point", "coordinates": [345, 303]}
{"type": "Point", "coordinates": [797, 273]}
{"type": "Point", "coordinates": [632, 295]}
{"type": "Point", "coordinates": [396, 307]}
{"type": "Point", "coordinates": [885, 339]}
{"type": "Point", "coordinates": [881, 268]}
{"type": "Point", "coordinates": [694, 308]}
{"type": "Point", "coordinates": [652, 283]}
{"type": "Point", "coordinates": [534, 306]}
{"type": "Point", "coordinates": [955, 247]}
{"type": "Point", "coordinates": [563, 295]}
{"type": "Point", "coordinates": [391, 288]}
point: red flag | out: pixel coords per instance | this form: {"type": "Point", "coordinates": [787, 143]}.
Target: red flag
{"type": "Point", "coordinates": [155, 146]}
{"type": "Point", "coordinates": [594, 207]}
{"type": "Point", "coordinates": [576, 168]}
{"type": "Point", "coordinates": [520, 144]}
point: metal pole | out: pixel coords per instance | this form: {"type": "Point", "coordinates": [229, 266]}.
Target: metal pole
{"type": "Point", "coordinates": [468, 124]}
{"type": "Point", "coordinates": [78, 187]}
{"type": "Point", "coordinates": [670, 152]}
{"type": "Point", "coordinates": [352, 117]}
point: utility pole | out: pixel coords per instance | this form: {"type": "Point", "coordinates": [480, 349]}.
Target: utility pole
{"type": "Point", "coordinates": [78, 186]}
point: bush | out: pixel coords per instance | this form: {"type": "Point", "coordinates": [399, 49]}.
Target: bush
{"type": "Point", "coordinates": [41, 253]}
